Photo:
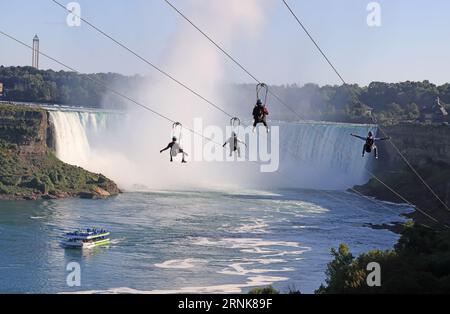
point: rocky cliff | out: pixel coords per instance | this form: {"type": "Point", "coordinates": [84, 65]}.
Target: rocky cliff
{"type": "Point", "coordinates": [28, 128]}
{"type": "Point", "coordinates": [28, 166]}
{"type": "Point", "coordinates": [420, 143]}
{"type": "Point", "coordinates": [427, 148]}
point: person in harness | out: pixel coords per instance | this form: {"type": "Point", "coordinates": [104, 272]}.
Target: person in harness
{"type": "Point", "coordinates": [174, 150]}
{"type": "Point", "coordinates": [260, 113]}
{"type": "Point", "coordinates": [234, 144]}
{"type": "Point", "coordinates": [369, 144]}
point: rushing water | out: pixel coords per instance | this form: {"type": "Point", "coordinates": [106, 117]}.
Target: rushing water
{"type": "Point", "coordinates": [226, 240]}
{"type": "Point", "coordinates": [194, 241]}
{"type": "Point", "coordinates": [317, 155]}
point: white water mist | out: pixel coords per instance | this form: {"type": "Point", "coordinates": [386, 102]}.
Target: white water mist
{"type": "Point", "coordinates": [194, 61]}
{"type": "Point", "coordinates": [128, 151]}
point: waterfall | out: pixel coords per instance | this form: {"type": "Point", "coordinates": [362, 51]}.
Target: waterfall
{"type": "Point", "coordinates": [318, 155]}
{"type": "Point", "coordinates": [76, 133]}
{"type": "Point", "coordinates": [72, 145]}
{"type": "Point", "coordinates": [324, 152]}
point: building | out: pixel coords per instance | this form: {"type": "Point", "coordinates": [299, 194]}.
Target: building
{"type": "Point", "coordinates": [434, 114]}
{"type": "Point", "coordinates": [35, 56]}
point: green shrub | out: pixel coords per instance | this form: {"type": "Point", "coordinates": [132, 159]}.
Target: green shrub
{"type": "Point", "coordinates": [3, 189]}
{"type": "Point", "coordinates": [419, 263]}
{"type": "Point", "coordinates": [264, 290]}
{"type": "Point", "coordinates": [11, 180]}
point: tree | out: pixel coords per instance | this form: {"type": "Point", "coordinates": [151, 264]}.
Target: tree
{"type": "Point", "coordinates": [419, 263]}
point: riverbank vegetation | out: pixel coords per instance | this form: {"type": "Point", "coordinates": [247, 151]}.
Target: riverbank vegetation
{"type": "Point", "coordinates": [389, 102]}
{"type": "Point", "coordinates": [33, 177]}
{"type": "Point", "coordinates": [29, 168]}
{"type": "Point", "coordinates": [27, 84]}
{"type": "Point", "coordinates": [419, 263]}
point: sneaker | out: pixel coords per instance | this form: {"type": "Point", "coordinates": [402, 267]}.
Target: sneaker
{"type": "Point", "coordinates": [183, 161]}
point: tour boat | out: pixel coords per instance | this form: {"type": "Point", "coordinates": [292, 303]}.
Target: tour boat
{"type": "Point", "coordinates": [86, 238]}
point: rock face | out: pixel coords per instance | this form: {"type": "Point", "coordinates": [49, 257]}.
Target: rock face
{"type": "Point", "coordinates": [26, 128]}
{"type": "Point", "coordinates": [427, 148]}
{"type": "Point", "coordinates": [28, 166]}
{"type": "Point", "coordinates": [421, 144]}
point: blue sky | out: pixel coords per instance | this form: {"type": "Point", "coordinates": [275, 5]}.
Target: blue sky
{"type": "Point", "coordinates": [412, 42]}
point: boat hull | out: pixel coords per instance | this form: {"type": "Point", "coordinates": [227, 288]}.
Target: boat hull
{"type": "Point", "coordinates": [84, 245]}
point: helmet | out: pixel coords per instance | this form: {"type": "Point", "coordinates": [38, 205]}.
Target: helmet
{"type": "Point", "coordinates": [370, 134]}
{"type": "Point", "coordinates": [174, 139]}
{"type": "Point", "coordinates": [259, 102]}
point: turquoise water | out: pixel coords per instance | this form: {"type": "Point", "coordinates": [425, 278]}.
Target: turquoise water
{"type": "Point", "coordinates": [194, 241]}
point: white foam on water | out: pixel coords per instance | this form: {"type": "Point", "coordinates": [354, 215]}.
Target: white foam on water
{"type": "Point", "coordinates": [254, 226]}
{"type": "Point", "coordinates": [264, 261]}
{"type": "Point", "coordinates": [253, 281]}
{"type": "Point", "coordinates": [305, 227]}
{"type": "Point", "coordinates": [283, 253]}
{"type": "Point", "coordinates": [181, 263]}
{"type": "Point", "coordinates": [236, 243]}
{"type": "Point", "coordinates": [252, 192]}
{"type": "Point", "coordinates": [258, 250]}
{"type": "Point", "coordinates": [299, 207]}
{"type": "Point", "coordinates": [116, 240]}
{"type": "Point", "coordinates": [37, 217]}
{"type": "Point", "coordinates": [238, 269]}
{"type": "Point", "coordinates": [266, 248]}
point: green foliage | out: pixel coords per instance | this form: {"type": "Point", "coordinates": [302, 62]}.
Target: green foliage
{"type": "Point", "coordinates": [34, 171]}
{"type": "Point", "coordinates": [19, 123]}
{"type": "Point", "coordinates": [25, 176]}
{"type": "Point", "coordinates": [339, 269]}
{"type": "Point", "coordinates": [264, 290]}
{"type": "Point", "coordinates": [392, 102]}
{"type": "Point", "coordinates": [48, 86]}
{"type": "Point", "coordinates": [420, 263]}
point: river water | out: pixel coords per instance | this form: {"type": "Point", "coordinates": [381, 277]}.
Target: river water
{"type": "Point", "coordinates": [191, 241]}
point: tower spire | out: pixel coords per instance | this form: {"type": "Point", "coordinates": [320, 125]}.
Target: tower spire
{"type": "Point", "coordinates": [35, 54]}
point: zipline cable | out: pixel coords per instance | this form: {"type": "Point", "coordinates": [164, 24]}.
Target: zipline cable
{"type": "Point", "coordinates": [394, 192]}
{"type": "Point", "coordinates": [411, 167]}
{"type": "Point", "coordinates": [373, 119]}
{"type": "Point", "coordinates": [234, 60]}
{"type": "Point", "coordinates": [315, 43]}
{"type": "Point", "coordinates": [104, 85]}
{"type": "Point", "coordinates": [146, 61]}
{"type": "Point", "coordinates": [171, 77]}
{"type": "Point", "coordinates": [166, 74]}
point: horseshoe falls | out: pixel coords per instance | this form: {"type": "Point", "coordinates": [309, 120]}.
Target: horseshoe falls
{"type": "Point", "coordinates": [324, 153]}
{"type": "Point", "coordinates": [315, 155]}
{"type": "Point", "coordinates": [260, 229]}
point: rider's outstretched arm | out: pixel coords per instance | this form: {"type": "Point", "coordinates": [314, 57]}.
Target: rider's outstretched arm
{"type": "Point", "coordinates": [242, 142]}
{"type": "Point", "coordinates": [168, 146]}
{"type": "Point", "coordinates": [357, 136]}
{"type": "Point", "coordinates": [227, 141]}
{"type": "Point", "coordinates": [382, 138]}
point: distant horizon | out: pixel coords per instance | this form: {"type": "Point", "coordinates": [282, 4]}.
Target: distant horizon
{"type": "Point", "coordinates": [409, 44]}
{"type": "Point", "coordinates": [236, 83]}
